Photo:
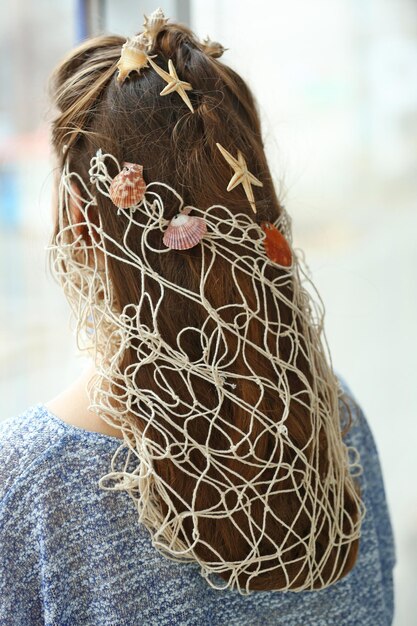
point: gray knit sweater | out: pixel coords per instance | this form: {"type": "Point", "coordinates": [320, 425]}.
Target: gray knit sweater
{"type": "Point", "coordinates": [72, 554]}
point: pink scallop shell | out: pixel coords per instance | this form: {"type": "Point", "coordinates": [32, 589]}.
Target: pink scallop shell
{"type": "Point", "coordinates": [184, 231]}
{"type": "Point", "coordinates": [128, 187]}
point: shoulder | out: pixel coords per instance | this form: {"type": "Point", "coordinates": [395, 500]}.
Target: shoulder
{"type": "Point", "coordinates": [51, 507]}
{"type": "Point", "coordinates": [36, 446]}
{"type": "Point", "coordinates": [24, 439]}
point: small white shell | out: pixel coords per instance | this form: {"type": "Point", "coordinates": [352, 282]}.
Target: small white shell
{"type": "Point", "coordinates": [128, 187]}
{"type": "Point", "coordinates": [184, 231]}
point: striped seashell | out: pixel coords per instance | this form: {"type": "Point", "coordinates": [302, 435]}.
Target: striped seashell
{"type": "Point", "coordinates": [128, 187]}
{"type": "Point", "coordinates": [184, 231]}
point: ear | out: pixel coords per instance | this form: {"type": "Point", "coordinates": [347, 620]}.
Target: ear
{"type": "Point", "coordinates": [77, 216]}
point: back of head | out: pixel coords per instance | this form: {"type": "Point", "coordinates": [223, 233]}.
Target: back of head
{"type": "Point", "coordinates": [211, 359]}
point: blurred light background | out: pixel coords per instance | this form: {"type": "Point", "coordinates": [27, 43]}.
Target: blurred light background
{"type": "Point", "coordinates": [336, 84]}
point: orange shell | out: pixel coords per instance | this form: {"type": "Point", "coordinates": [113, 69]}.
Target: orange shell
{"type": "Point", "coordinates": [276, 246]}
{"type": "Point", "coordinates": [128, 187]}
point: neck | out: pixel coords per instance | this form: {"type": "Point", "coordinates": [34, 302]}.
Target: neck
{"type": "Point", "coordinates": [72, 406]}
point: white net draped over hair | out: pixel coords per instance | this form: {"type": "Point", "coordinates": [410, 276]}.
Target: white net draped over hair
{"type": "Point", "coordinates": [107, 332]}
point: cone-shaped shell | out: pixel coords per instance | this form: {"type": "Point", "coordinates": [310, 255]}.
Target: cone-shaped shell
{"type": "Point", "coordinates": [128, 187]}
{"type": "Point", "coordinates": [133, 57]}
{"type": "Point", "coordinates": [275, 244]}
{"type": "Point", "coordinates": [154, 23]}
{"type": "Point", "coordinates": [184, 232]}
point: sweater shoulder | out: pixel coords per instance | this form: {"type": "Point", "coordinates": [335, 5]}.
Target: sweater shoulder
{"type": "Point", "coordinates": [24, 439]}
{"type": "Point", "coordinates": [34, 438]}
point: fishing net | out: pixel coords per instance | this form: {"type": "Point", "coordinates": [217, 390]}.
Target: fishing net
{"type": "Point", "coordinates": [166, 423]}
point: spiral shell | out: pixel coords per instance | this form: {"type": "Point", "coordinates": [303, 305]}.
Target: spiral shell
{"type": "Point", "coordinates": [153, 24]}
{"type": "Point", "coordinates": [212, 48]}
{"type": "Point", "coordinates": [133, 57]}
{"type": "Point", "coordinates": [128, 187]}
{"type": "Point", "coordinates": [184, 231]}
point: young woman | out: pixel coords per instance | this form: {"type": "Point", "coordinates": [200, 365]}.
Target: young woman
{"type": "Point", "coordinates": [245, 486]}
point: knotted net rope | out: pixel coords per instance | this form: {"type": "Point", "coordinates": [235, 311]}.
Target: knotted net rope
{"type": "Point", "coordinates": [107, 332]}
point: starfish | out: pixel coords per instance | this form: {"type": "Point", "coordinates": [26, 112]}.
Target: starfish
{"type": "Point", "coordinates": [241, 176]}
{"type": "Point", "coordinates": [174, 83]}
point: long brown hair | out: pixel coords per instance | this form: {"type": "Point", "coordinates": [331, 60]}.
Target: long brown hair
{"type": "Point", "coordinates": [135, 124]}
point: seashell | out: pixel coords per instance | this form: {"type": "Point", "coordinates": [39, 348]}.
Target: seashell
{"type": "Point", "coordinates": [212, 48]}
{"type": "Point", "coordinates": [128, 187]}
{"type": "Point", "coordinates": [153, 24]}
{"type": "Point", "coordinates": [184, 231]}
{"type": "Point", "coordinates": [133, 57]}
{"type": "Point", "coordinates": [276, 246]}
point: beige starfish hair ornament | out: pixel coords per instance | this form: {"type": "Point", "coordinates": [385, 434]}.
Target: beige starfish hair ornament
{"type": "Point", "coordinates": [174, 83]}
{"type": "Point", "coordinates": [242, 176]}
